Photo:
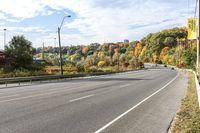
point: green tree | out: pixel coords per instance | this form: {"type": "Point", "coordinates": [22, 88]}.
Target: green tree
{"type": "Point", "coordinates": [20, 51]}
{"type": "Point", "coordinates": [122, 59]}
{"type": "Point", "coordinates": [170, 41]}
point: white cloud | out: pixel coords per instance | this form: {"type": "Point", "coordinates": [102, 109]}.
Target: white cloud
{"type": "Point", "coordinates": [115, 23]}
{"type": "Point", "coordinates": [21, 9]}
{"type": "Point", "coordinates": [29, 29]}
{"type": "Point", "coordinates": [2, 16]}
{"type": "Point", "coordinates": [99, 20]}
{"type": "Point", "coordinates": [31, 33]}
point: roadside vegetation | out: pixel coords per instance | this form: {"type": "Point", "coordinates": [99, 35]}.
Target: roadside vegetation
{"type": "Point", "coordinates": [165, 47]}
{"type": "Point", "coordinates": [19, 55]}
{"type": "Point", "coordinates": [188, 118]}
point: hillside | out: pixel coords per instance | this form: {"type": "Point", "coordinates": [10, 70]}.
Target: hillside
{"type": "Point", "coordinates": [168, 47]}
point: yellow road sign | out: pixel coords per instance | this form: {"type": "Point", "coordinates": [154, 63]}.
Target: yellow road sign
{"type": "Point", "coordinates": [192, 28]}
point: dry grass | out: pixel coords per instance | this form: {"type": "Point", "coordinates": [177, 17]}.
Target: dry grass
{"type": "Point", "coordinates": [188, 118]}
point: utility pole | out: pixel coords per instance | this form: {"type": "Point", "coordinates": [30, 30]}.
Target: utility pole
{"type": "Point", "coordinates": [4, 38]}
{"type": "Point", "coordinates": [198, 34]}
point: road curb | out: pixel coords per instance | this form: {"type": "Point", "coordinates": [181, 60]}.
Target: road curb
{"type": "Point", "coordinates": [196, 83]}
{"type": "Point", "coordinates": [197, 86]}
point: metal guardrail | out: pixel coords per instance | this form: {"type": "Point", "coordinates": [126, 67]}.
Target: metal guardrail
{"type": "Point", "coordinates": [19, 80]}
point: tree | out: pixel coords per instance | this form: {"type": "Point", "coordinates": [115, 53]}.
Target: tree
{"type": "Point", "coordinates": [170, 41]}
{"type": "Point", "coordinates": [85, 51]}
{"type": "Point", "coordinates": [138, 49]}
{"type": "Point", "coordinates": [75, 57]}
{"type": "Point", "coordinates": [20, 51]}
{"type": "Point", "coordinates": [133, 62]}
{"type": "Point", "coordinates": [164, 53]}
{"type": "Point", "coordinates": [88, 62]}
{"type": "Point", "coordinates": [122, 59]}
{"type": "Point", "coordinates": [116, 57]}
{"type": "Point", "coordinates": [111, 53]}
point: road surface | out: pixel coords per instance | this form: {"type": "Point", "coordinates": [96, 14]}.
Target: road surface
{"type": "Point", "coordinates": [141, 102]}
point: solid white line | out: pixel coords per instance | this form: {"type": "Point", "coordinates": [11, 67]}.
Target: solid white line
{"type": "Point", "coordinates": [120, 116]}
{"type": "Point", "coordinates": [73, 100]}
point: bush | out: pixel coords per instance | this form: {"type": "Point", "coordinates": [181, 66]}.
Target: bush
{"type": "Point", "coordinates": [101, 64]}
{"type": "Point", "coordinates": [92, 69]}
{"type": "Point", "coordinates": [80, 67]}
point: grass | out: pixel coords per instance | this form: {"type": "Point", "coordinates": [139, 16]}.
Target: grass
{"type": "Point", "coordinates": [188, 118]}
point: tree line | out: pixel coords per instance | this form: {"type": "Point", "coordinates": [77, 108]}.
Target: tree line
{"type": "Point", "coordinates": [169, 46]}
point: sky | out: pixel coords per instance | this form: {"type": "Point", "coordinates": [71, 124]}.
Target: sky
{"type": "Point", "coordinates": [92, 21]}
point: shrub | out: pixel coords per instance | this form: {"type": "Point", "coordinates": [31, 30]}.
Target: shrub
{"type": "Point", "coordinates": [92, 69]}
{"type": "Point", "coordinates": [101, 64]}
{"type": "Point", "coordinates": [80, 67]}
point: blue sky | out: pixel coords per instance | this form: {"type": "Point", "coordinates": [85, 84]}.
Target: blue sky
{"type": "Point", "coordinates": [92, 20]}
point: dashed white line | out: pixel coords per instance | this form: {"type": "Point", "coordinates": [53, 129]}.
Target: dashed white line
{"type": "Point", "coordinates": [43, 94]}
{"type": "Point", "coordinates": [77, 99]}
{"type": "Point", "coordinates": [120, 116]}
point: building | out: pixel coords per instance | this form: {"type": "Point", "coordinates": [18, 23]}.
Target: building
{"type": "Point", "coordinates": [126, 41]}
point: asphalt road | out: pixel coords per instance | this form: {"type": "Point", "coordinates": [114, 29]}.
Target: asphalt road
{"type": "Point", "coordinates": [141, 101]}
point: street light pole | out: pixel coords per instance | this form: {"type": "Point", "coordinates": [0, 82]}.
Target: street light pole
{"type": "Point", "coordinates": [60, 51]}
{"type": "Point", "coordinates": [4, 38]}
{"type": "Point", "coordinates": [59, 41]}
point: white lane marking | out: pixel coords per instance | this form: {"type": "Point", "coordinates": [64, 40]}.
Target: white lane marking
{"type": "Point", "coordinates": [120, 116]}
{"type": "Point", "coordinates": [45, 94]}
{"type": "Point", "coordinates": [73, 100]}
{"type": "Point", "coordinates": [36, 95]}
{"type": "Point", "coordinates": [9, 96]}
{"type": "Point", "coordinates": [123, 86]}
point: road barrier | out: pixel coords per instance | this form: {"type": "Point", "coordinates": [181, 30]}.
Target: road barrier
{"type": "Point", "coordinates": [4, 82]}
{"type": "Point", "coordinates": [31, 79]}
